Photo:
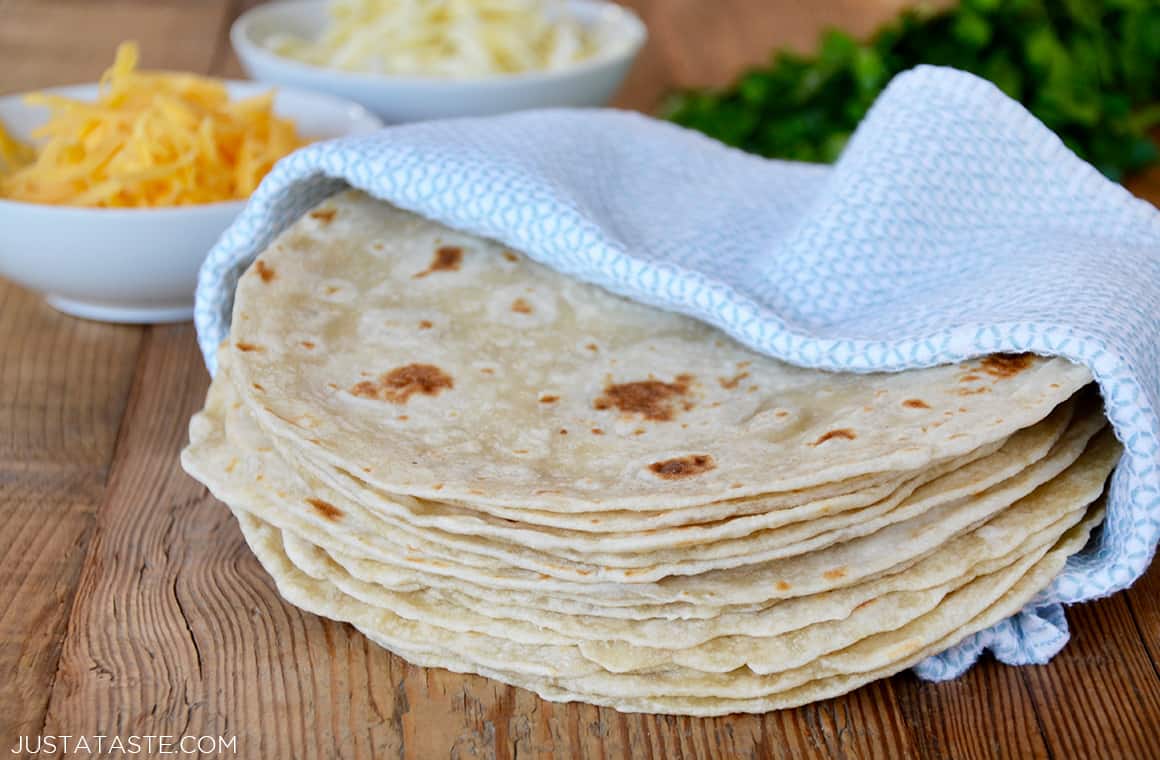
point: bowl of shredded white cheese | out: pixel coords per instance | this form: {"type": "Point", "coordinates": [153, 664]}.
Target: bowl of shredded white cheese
{"type": "Point", "coordinates": [412, 60]}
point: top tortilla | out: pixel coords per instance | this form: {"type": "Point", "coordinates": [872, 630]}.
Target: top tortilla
{"type": "Point", "coordinates": [439, 365]}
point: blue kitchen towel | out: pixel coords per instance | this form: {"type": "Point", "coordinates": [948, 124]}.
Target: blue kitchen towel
{"type": "Point", "coordinates": [954, 225]}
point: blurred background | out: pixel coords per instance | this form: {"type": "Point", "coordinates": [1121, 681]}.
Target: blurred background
{"type": "Point", "coordinates": [779, 77]}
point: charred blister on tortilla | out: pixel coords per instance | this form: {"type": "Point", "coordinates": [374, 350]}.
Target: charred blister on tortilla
{"type": "Point", "coordinates": [651, 399]}
{"type": "Point", "coordinates": [398, 385]}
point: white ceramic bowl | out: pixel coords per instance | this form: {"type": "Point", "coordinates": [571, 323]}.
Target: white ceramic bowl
{"type": "Point", "coordinates": [592, 82]}
{"type": "Point", "coordinates": [135, 265]}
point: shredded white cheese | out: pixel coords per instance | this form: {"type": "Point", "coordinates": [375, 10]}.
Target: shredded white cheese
{"type": "Point", "coordinates": [443, 38]}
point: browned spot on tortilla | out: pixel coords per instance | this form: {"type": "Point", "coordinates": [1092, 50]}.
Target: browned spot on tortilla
{"type": "Point", "coordinates": [519, 451]}
{"type": "Point", "coordinates": [248, 347]}
{"type": "Point", "coordinates": [487, 371]}
{"type": "Point", "coordinates": [846, 433]}
{"type": "Point", "coordinates": [258, 386]}
{"type": "Point", "coordinates": [597, 431]}
{"type": "Point", "coordinates": [308, 345]}
{"type": "Point", "coordinates": [683, 467]}
{"type": "Point", "coordinates": [915, 403]}
{"type": "Point", "coordinates": [781, 413]}
{"type": "Point", "coordinates": [332, 289]}
{"type": "Point", "coordinates": [437, 487]}
{"type": "Point", "coordinates": [425, 324]}
{"type": "Point", "coordinates": [398, 385]}
{"type": "Point", "coordinates": [962, 409]}
{"type": "Point", "coordinates": [264, 270]}
{"type": "Point", "coordinates": [973, 391]}
{"type": "Point", "coordinates": [968, 378]}
{"type": "Point", "coordinates": [332, 386]}
{"type": "Point", "coordinates": [783, 586]}
{"type": "Point", "coordinates": [563, 431]}
{"type": "Point", "coordinates": [549, 399]}
{"type": "Point", "coordinates": [447, 259]}
{"type": "Point", "coordinates": [510, 256]}
{"type": "Point", "coordinates": [315, 441]}
{"type": "Point", "coordinates": [520, 306]}
{"type": "Point", "coordinates": [835, 574]}
{"type": "Point", "coordinates": [367, 469]}
{"type": "Point", "coordinates": [325, 508]}
{"type": "Point", "coordinates": [638, 431]}
{"type": "Point", "coordinates": [1006, 365]}
{"type": "Point", "coordinates": [591, 347]}
{"type": "Point", "coordinates": [324, 215]}
{"type": "Point", "coordinates": [736, 485]}
{"type": "Point", "coordinates": [866, 603]}
{"type": "Point", "coordinates": [729, 383]}
{"type": "Point", "coordinates": [584, 572]}
{"type": "Point", "coordinates": [402, 418]}
{"type": "Point", "coordinates": [544, 576]}
{"type": "Point", "coordinates": [652, 399]}
{"type": "Point", "coordinates": [230, 467]}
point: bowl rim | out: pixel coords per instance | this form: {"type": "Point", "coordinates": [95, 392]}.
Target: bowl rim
{"type": "Point", "coordinates": [356, 110]}
{"type": "Point", "coordinates": [245, 46]}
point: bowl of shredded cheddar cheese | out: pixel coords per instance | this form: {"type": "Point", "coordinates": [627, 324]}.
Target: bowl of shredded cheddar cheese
{"type": "Point", "coordinates": [111, 194]}
{"type": "Point", "coordinates": [413, 60]}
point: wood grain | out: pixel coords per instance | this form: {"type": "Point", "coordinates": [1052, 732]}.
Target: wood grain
{"type": "Point", "coordinates": [1101, 691]}
{"type": "Point", "coordinates": [129, 603]}
{"type": "Point", "coordinates": [62, 391]}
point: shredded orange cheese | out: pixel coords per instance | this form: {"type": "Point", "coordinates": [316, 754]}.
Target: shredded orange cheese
{"type": "Point", "coordinates": [150, 139]}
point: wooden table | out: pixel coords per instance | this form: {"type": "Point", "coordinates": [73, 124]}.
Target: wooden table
{"type": "Point", "coordinates": [129, 604]}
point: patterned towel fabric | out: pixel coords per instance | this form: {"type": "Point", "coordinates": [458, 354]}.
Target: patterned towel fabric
{"type": "Point", "coordinates": [954, 225]}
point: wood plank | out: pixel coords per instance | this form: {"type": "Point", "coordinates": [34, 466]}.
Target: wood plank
{"type": "Point", "coordinates": [47, 520]}
{"type": "Point", "coordinates": [63, 381]}
{"type": "Point", "coordinates": [63, 384]}
{"type": "Point", "coordinates": [706, 45]}
{"type": "Point", "coordinates": [72, 41]}
{"type": "Point", "coordinates": [1100, 696]}
{"type": "Point", "coordinates": [650, 78]}
{"type": "Point", "coordinates": [128, 632]}
{"type": "Point", "coordinates": [986, 713]}
{"type": "Point", "coordinates": [1144, 606]}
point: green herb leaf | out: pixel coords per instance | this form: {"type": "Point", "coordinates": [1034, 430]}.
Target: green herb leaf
{"type": "Point", "coordinates": [1090, 71]}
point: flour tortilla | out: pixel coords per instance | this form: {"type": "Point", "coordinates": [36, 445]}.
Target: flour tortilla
{"type": "Point", "coordinates": [698, 693]}
{"type": "Point", "coordinates": [821, 571]}
{"type": "Point", "coordinates": [528, 363]}
{"type": "Point", "coordinates": [694, 549]}
{"type": "Point", "coordinates": [751, 535]}
{"type": "Point", "coordinates": [231, 476]}
{"type": "Point", "coordinates": [762, 654]}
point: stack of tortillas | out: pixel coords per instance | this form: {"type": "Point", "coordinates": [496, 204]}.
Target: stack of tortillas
{"type": "Point", "coordinates": [490, 467]}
